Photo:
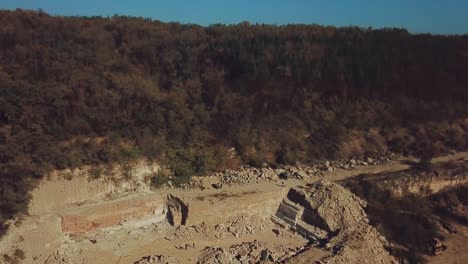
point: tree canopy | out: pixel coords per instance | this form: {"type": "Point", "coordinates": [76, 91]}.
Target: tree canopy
{"type": "Point", "coordinates": [93, 90]}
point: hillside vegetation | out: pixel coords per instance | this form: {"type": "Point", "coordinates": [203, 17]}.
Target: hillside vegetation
{"type": "Point", "coordinates": [80, 91]}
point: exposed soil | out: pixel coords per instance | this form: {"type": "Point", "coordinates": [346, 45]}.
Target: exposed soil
{"type": "Point", "coordinates": [235, 217]}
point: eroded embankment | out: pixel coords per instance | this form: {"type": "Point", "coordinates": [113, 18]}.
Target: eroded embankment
{"type": "Point", "coordinates": [62, 189]}
{"type": "Point", "coordinates": [416, 179]}
{"type": "Point", "coordinates": [417, 209]}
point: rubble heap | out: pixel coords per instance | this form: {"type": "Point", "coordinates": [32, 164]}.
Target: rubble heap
{"type": "Point", "coordinates": [239, 226]}
{"type": "Point", "coordinates": [59, 257]}
{"type": "Point", "coordinates": [248, 175]}
{"type": "Point", "coordinates": [332, 208]}
{"type": "Point", "coordinates": [156, 259]}
{"type": "Point", "coordinates": [249, 252]}
{"type": "Point", "coordinates": [336, 207]}
{"type": "Point", "coordinates": [235, 227]}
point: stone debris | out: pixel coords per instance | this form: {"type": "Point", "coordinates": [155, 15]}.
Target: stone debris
{"type": "Point", "coordinates": [185, 246]}
{"type": "Point", "coordinates": [358, 246]}
{"type": "Point", "coordinates": [235, 227]}
{"type": "Point", "coordinates": [59, 257]}
{"type": "Point", "coordinates": [437, 247]}
{"type": "Point", "coordinates": [249, 252]}
{"type": "Point", "coordinates": [239, 226]}
{"type": "Point", "coordinates": [248, 175]}
{"type": "Point", "coordinates": [157, 259]}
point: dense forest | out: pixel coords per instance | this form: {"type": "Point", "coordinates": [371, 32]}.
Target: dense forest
{"type": "Point", "coordinates": [80, 91]}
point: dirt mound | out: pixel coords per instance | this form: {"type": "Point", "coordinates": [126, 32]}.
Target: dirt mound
{"type": "Point", "coordinates": [362, 245]}
{"type": "Point", "coordinates": [331, 207]}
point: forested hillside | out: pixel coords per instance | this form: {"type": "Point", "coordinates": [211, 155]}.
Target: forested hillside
{"type": "Point", "coordinates": [80, 90]}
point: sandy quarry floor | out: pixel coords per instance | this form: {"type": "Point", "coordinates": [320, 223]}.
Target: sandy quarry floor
{"type": "Point", "coordinates": [43, 242]}
{"type": "Point", "coordinates": [122, 245]}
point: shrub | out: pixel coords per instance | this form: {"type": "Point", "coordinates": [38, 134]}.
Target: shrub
{"type": "Point", "coordinates": [256, 160]}
{"type": "Point", "coordinates": [158, 180]}
{"type": "Point", "coordinates": [19, 254]}
{"type": "Point", "coordinates": [191, 160]}
{"type": "Point", "coordinates": [96, 172]}
{"type": "Point", "coordinates": [287, 156]}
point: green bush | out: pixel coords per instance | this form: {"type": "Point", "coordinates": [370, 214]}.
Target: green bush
{"type": "Point", "coordinates": [256, 161]}
{"type": "Point", "coordinates": [191, 160]}
{"type": "Point", "coordinates": [287, 156]}
{"type": "Point", "coordinates": [158, 180]}
{"type": "Point", "coordinates": [96, 172]}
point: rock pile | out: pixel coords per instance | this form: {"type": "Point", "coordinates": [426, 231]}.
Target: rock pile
{"type": "Point", "coordinates": [249, 252]}
{"type": "Point", "coordinates": [300, 171]}
{"type": "Point", "coordinates": [335, 209]}
{"type": "Point", "coordinates": [327, 201]}
{"type": "Point", "coordinates": [248, 175]}
{"type": "Point", "coordinates": [239, 226]}
{"type": "Point", "coordinates": [236, 227]}
{"type": "Point", "coordinates": [157, 259]}
{"type": "Point", "coordinates": [59, 257]}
